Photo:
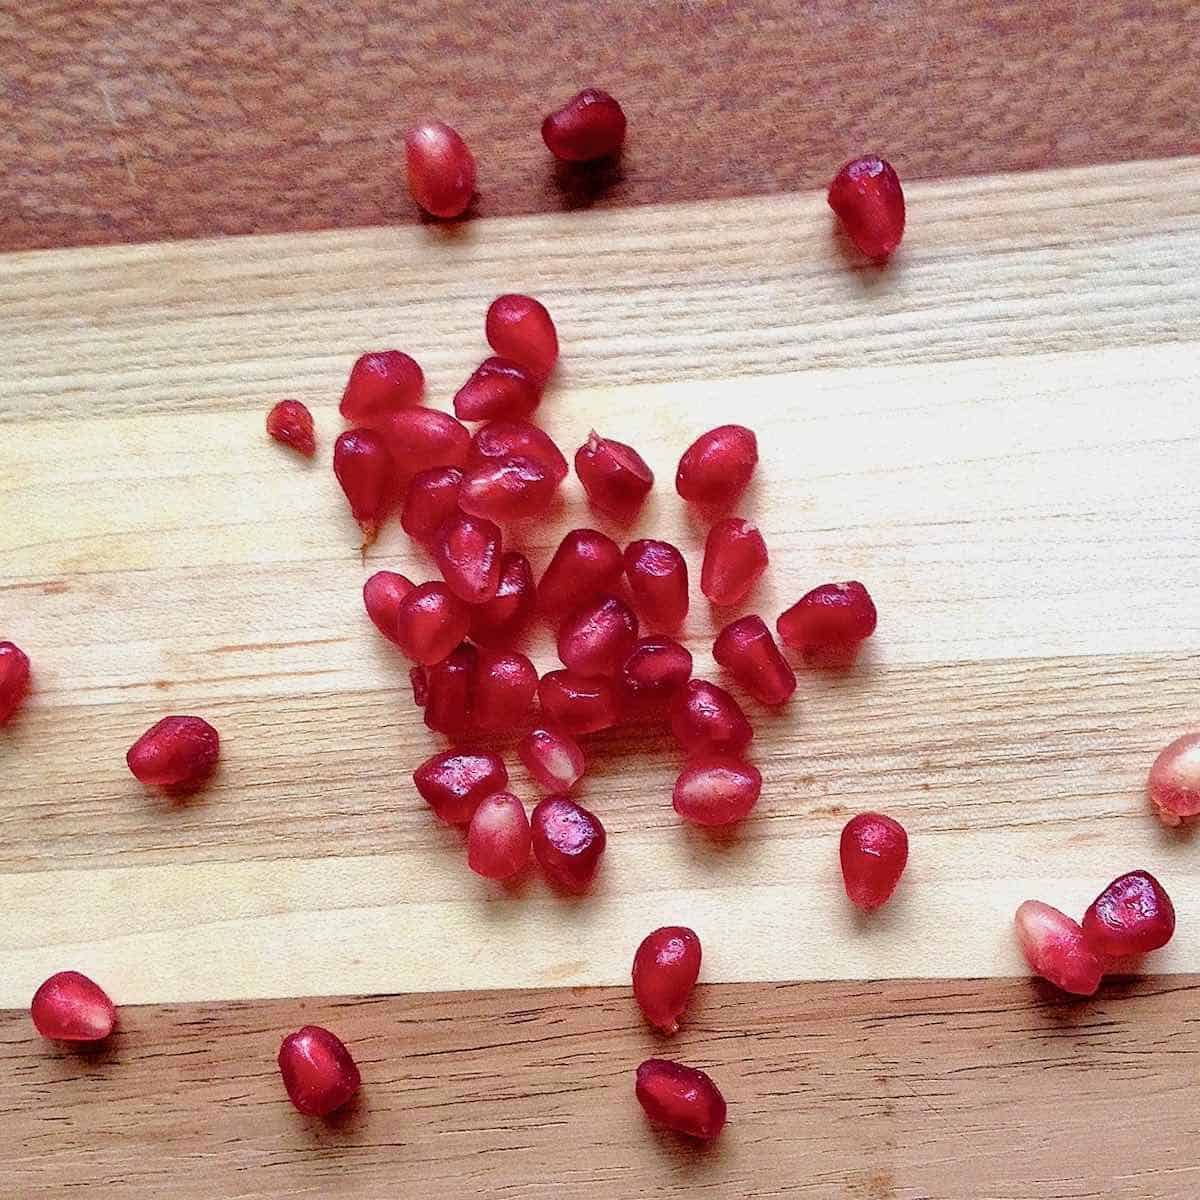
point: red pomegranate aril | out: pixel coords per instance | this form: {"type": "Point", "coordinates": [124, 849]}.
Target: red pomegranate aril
{"type": "Point", "coordinates": [717, 466]}
{"type": "Point", "coordinates": [1174, 785]}
{"type": "Point", "coordinates": [874, 852]}
{"type": "Point", "coordinates": [454, 782]}
{"type": "Point", "coordinates": [867, 197]}
{"type": "Point", "coordinates": [597, 638]}
{"type": "Point", "coordinates": [656, 669]}
{"type": "Point", "coordinates": [1055, 948]}
{"type": "Point", "coordinates": [441, 169]}
{"type": "Point", "coordinates": [746, 649]}
{"type": "Point", "coordinates": [450, 692]}
{"type": "Point", "coordinates": [431, 500]}
{"type": "Point", "coordinates": [420, 438]}
{"type": "Point", "coordinates": [318, 1071]}
{"type": "Point", "coordinates": [290, 423]}
{"type": "Point", "coordinates": [830, 620]}
{"type": "Point", "coordinates": [509, 489]}
{"type": "Point", "coordinates": [382, 594]}
{"type": "Point", "coordinates": [586, 564]}
{"type": "Point", "coordinates": [665, 969]}
{"type": "Point", "coordinates": [590, 125]}
{"type": "Point", "coordinates": [716, 789]}
{"type": "Point", "coordinates": [500, 440]}
{"type": "Point", "coordinates": [1133, 915]}
{"type": "Point", "coordinates": [176, 753]}
{"type": "Point", "coordinates": [499, 619]}
{"type": "Point", "coordinates": [706, 719]}
{"type": "Point", "coordinates": [505, 687]}
{"type": "Point", "coordinates": [614, 476]}
{"type": "Point", "coordinates": [567, 841]}
{"type": "Point", "coordinates": [365, 470]}
{"type": "Point", "coordinates": [735, 556]}
{"type": "Point", "coordinates": [553, 757]}
{"type": "Point", "coordinates": [520, 328]}
{"type": "Point", "coordinates": [418, 679]}
{"type": "Point", "coordinates": [379, 384]}
{"type": "Point", "coordinates": [658, 579]}
{"type": "Point", "coordinates": [499, 839]}
{"type": "Point", "coordinates": [680, 1098]}
{"type": "Point", "coordinates": [467, 552]}
{"type": "Point", "coordinates": [69, 1007]}
{"type": "Point", "coordinates": [430, 621]}
{"type": "Point", "coordinates": [14, 679]}
{"type": "Point", "coordinates": [579, 703]}
{"type": "Point", "coordinates": [498, 389]}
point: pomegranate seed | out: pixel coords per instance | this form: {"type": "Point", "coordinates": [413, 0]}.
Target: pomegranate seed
{"type": "Point", "coordinates": [430, 622]}
{"type": "Point", "coordinates": [499, 389]}
{"type": "Point", "coordinates": [1174, 779]}
{"type": "Point", "coordinates": [869, 202]}
{"type": "Point", "coordinates": [467, 551]}
{"type": "Point", "coordinates": [520, 328]}
{"type": "Point", "coordinates": [500, 440]}
{"type": "Point", "coordinates": [317, 1071]}
{"type": "Point", "coordinates": [450, 691]}
{"type": "Point", "coordinates": [552, 757]}
{"type": "Point", "coordinates": [1055, 948]}
{"type": "Point", "coordinates": [654, 672]}
{"type": "Point", "coordinates": [505, 686]}
{"type": "Point", "coordinates": [509, 489]}
{"type": "Point", "coordinates": [14, 679]}
{"type": "Point", "coordinates": [176, 753]}
{"type": "Point", "coordinates": [431, 500]}
{"type": "Point", "coordinates": [716, 789]}
{"type": "Point", "coordinates": [579, 703]}
{"type": "Point", "coordinates": [568, 842]}
{"type": "Point", "coordinates": [874, 852]}
{"type": "Point", "coordinates": [382, 594]}
{"type": "Point", "coordinates": [498, 619]}
{"type": "Point", "coordinates": [419, 438]}
{"type": "Point", "coordinates": [379, 384]}
{"type": "Point", "coordinates": [418, 678]}
{"type": "Point", "coordinates": [454, 782]}
{"type": "Point", "coordinates": [590, 125]}
{"type": "Point", "coordinates": [706, 719]}
{"type": "Point", "coordinates": [830, 620]}
{"type": "Point", "coordinates": [665, 969]}
{"type": "Point", "coordinates": [441, 169]}
{"type": "Point", "coordinates": [585, 564]}
{"type": "Point", "coordinates": [735, 555]}
{"type": "Point", "coordinates": [69, 1007]}
{"type": "Point", "coordinates": [291, 423]}
{"type": "Point", "coordinates": [1133, 915]}
{"type": "Point", "coordinates": [499, 839]}
{"type": "Point", "coordinates": [614, 476]}
{"type": "Point", "coordinates": [717, 466]}
{"type": "Point", "coordinates": [746, 649]}
{"type": "Point", "coordinates": [681, 1098]}
{"type": "Point", "coordinates": [658, 579]}
{"type": "Point", "coordinates": [598, 638]}
{"type": "Point", "coordinates": [365, 470]}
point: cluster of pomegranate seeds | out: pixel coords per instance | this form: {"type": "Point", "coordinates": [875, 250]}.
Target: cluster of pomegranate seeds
{"type": "Point", "coordinates": [652, 675]}
{"type": "Point", "coordinates": [579, 703]}
{"type": "Point", "coordinates": [499, 838]}
{"type": "Point", "coordinates": [1174, 784]}
{"type": "Point", "coordinates": [498, 620]}
{"type": "Point", "coordinates": [499, 389]}
{"type": "Point", "coordinates": [874, 853]}
{"type": "Point", "coordinates": [717, 466]}
{"type": "Point", "coordinates": [1055, 948]}
{"type": "Point", "coordinates": [590, 125]}
{"type": "Point", "coordinates": [14, 679]}
{"type": "Point", "coordinates": [665, 969]}
{"type": "Point", "coordinates": [746, 649]}
{"type": "Point", "coordinates": [658, 581]}
{"type": "Point", "coordinates": [467, 551]}
{"type": "Point", "coordinates": [568, 842]}
{"type": "Point", "coordinates": [318, 1071]}
{"type": "Point", "coordinates": [379, 384]}
{"type": "Point", "coordinates": [290, 423]}
{"type": "Point", "coordinates": [680, 1098]}
{"type": "Point", "coordinates": [867, 197]}
{"type": "Point", "coordinates": [382, 594]}
{"type": "Point", "coordinates": [441, 169]}
{"type": "Point", "coordinates": [365, 470]}
{"type": "Point", "coordinates": [831, 619]}
{"type": "Point", "coordinates": [716, 789]}
{"type": "Point", "coordinates": [431, 500]}
{"type": "Point", "coordinates": [706, 719]}
{"type": "Point", "coordinates": [614, 476]}
{"type": "Point", "coordinates": [454, 782]}
{"type": "Point", "coordinates": [509, 489]}
{"type": "Point", "coordinates": [597, 638]}
{"type": "Point", "coordinates": [735, 556]}
{"type": "Point", "coordinates": [519, 328]}
{"type": "Point", "coordinates": [552, 757]}
{"type": "Point", "coordinates": [1133, 915]}
{"type": "Point", "coordinates": [177, 754]}
{"type": "Point", "coordinates": [585, 564]}
{"type": "Point", "coordinates": [430, 622]}
{"type": "Point", "coordinates": [69, 1007]}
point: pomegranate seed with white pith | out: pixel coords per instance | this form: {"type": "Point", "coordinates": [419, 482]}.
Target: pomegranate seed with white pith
{"type": "Point", "coordinates": [498, 389]}
{"type": "Point", "coordinates": [291, 424]}
{"type": "Point", "coordinates": [597, 638]}
{"type": "Point", "coordinates": [874, 852]}
{"type": "Point", "coordinates": [1174, 785]}
{"type": "Point", "coordinates": [590, 125]}
{"type": "Point", "coordinates": [656, 669]}
{"type": "Point", "coordinates": [498, 620]}
{"type": "Point", "coordinates": [420, 438]}
{"type": "Point", "coordinates": [382, 594]}
{"type": "Point", "coordinates": [467, 552]}
{"type": "Point", "coordinates": [614, 476]}
{"type": "Point", "coordinates": [1055, 948]}
{"type": "Point", "coordinates": [365, 470]}
{"type": "Point", "coordinates": [735, 556]}
{"type": "Point", "coordinates": [500, 440]}
{"type": "Point", "coordinates": [379, 384]}
{"type": "Point", "coordinates": [716, 789]}
{"type": "Point", "coordinates": [1133, 915]}
{"type": "Point", "coordinates": [14, 679]}
{"type": "Point", "coordinates": [450, 692]}
{"type": "Point", "coordinates": [552, 757]}
{"type": "Point", "coordinates": [658, 580]}
{"type": "Point", "coordinates": [665, 969]}
{"type": "Point", "coordinates": [499, 839]}
{"type": "Point", "coordinates": [717, 466]}
{"type": "Point", "coordinates": [430, 621]}
{"type": "Point", "coordinates": [680, 1098]}
{"type": "Point", "coordinates": [706, 719]}
{"type": "Point", "coordinates": [430, 501]}
{"type": "Point", "coordinates": [510, 489]}
{"type": "Point", "coordinates": [579, 703]}
{"type": "Point", "coordinates": [867, 197]}
{"type": "Point", "coordinates": [69, 1007]}
{"type": "Point", "coordinates": [454, 782]}
{"type": "Point", "coordinates": [176, 753]}
{"type": "Point", "coordinates": [586, 564]}
{"type": "Point", "coordinates": [831, 620]}
{"type": "Point", "coordinates": [746, 649]}
{"type": "Point", "coordinates": [441, 169]}
{"type": "Point", "coordinates": [520, 328]}
{"type": "Point", "coordinates": [568, 842]}
{"type": "Point", "coordinates": [505, 688]}
{"type": "Point", "coordinates": [318, 1071]}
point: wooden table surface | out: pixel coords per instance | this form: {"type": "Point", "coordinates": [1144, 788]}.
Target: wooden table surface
{"type": "Point", "coordinates": [997, 433]}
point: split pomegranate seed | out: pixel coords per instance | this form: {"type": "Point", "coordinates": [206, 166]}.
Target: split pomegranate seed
{"type": "Point", "coordinates": [499, 839]}
{"type": "Point", "coordinates": [505, 687]}
{"type": "Point", "coordinates": [680, 1098]}
{"type": "Point", "coordinates": [176, 753]}
{"type": "Point", "coordinates": [318, 1071]}
{"type": "Point", "coordinates": [665, 969]}
{"type": "Point", "coordinates": [510, 489]}
{"type": "Point", "coordinates": [499, 619]}
{"type": "Point", "coordinates": [430, 621]}
{"type": "Point", "coordinates": [735, 556]}
{"type": "Point", "coordinates": [656, 669]}
{"type": "Point", "coordinates": [1133, 915]}
{"type": "Point", "coordinates": [365, 470]}
{"type": "Point", "coordinates": [590, 125]}
{"type": "Point", "coordinates": [441, 169]}
{"type": "Point", "coordinates": [499, 389]}
{"type": "Point", "coordinates": [567, 841]}
{"type": "Point", "coordinates": [614, 476]}
{"type": "Point", "coordinates": [382, 594]}
{"type": "Point", "coordinates": [14, 679]}
{"type": "Point", "coordinates": [419, 438]}
{"type": "Point", "coordinates": [706, 719]}
{"type": "Point", "coordinates": [450, 691]}
{"type": "Point", "coordinates": [454, 782]}
{"type": "Point", "coordinates": [291, 423]}
{"type": "Point", "coordinates": [874, 852]}
{"type": "Point", "coordinates": [746, 649]}
{"type": "Point", "coordinates": [867, 197]}
{"type": "Point", "coordinates": [1174, 784]}
{"type": "Point", "coordinates": [418, 679]}
{"type": "Point", "coordinates": [520, 328]}
{"type": "Point", "coordinates": [578, 703]}
{"type": "Point", "coordinates": [379, 384]}
{"type": "Point", "coordinates": [552, 757]}
{"type": "Point", "coordinates": [597, 638]}
{"type": "Point", "coordinates": [500, 440]}
{"type": "Point", "coordinates": [658, 579]}
{"type": "Point", "coordinates": [585, 564]}
{"type": "Point", "coordinates": [1055, 948]}
{"type": "Point", "coordinates": [431, 500]}
{"type": "Point", "coordinates": [467, 552]}
{"type": "Point", "coordinates": [830, 620]}
{"type": "Point", "coordinates": [69, 1007]}
{"type": "Point", "coordinates": [716, 789]}
{"type": "Point", "coordinates": [717, 466]}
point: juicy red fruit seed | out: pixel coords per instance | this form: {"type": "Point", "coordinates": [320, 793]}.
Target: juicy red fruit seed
{"type": "Point", "coordinates": [1174, 784]}
{"type": "Point", "coordinates": [499, 619]}
{"type": "Point", "coordinates": [590, 125]}
{"type": "Point", "coordinates": [867, 197]}
{"type": "Point", "coordinates": [717, 466]}
{"type": "Point", "coordinates": [454, 782]}
{"type": "Point", "coordinates": [290, 423]}
{"type": "Point", "coordinates": [1055, 948]}
{"type": "Point", "coordinates": [1133, 915]}
{"type": "Point", "coordinates": [499, 839]}
{"type": "Point", "coordinates": [431, 500]}
{"type": "Point", "coordinates": [450, 691]}
{"type": "Point", "coordinates": [418, 679]}
{"type": "Point", "coordinates": [176, 753]}
{"type": "Point", "coordinates": [735, 556]}
{"type": "Point", "coordinates": [658, 579]}
{"type": "Point", "coordinates": [552, 757]}
{"type": "Point", "coordinates": [499, 440]}
{"type": "Point", "coordinates": [665, 969]}
{"type": "Point", "coordinates": [505, 687]}
{"type": "Point", "coordinates": [520, 328]}
{"type": "Point", "coordinates": [467, 552]}
{"type": "Point", "coordinates": [441, 169]}
{"type": "Point", "coordinates": [830, 620]}
{"type": "Point", "coordinates": [614, 476]}
{"type": "Point", "coordinates": [430, 622]}
{"type": "Point", "coordinates": [656, 669]}
{"type": "Point", "coordinates": [568, 842]}
{"type": "Point", "coordinates": [379, 384]}
{"type": "Point", "coordinates": [579, 703]}
{"type": "Point", "coordinates": [382, 594]}
{"type": "Point", "coordinates": [716, 789]}
{"type": "Point", "coordinates": [746, 649]}
{"type": "Point", "coordinates": [14, 679]}
{"type": "Point", "coordinates": [874, 852]}
{"type": "Point", "coordinates": [706, 719]}
{"type": "Point", "coordinates": [365, 470]}
{"type": "Point", "coordinates": [69, 1007]}
{"type": "Point", "coordinates": [597, 638]}
{"type": "Point", "coordinates": [510, 489]}
{"type": "Point", "coordinates": [318, 1071]}
{"type": "Point", "coordinates": [680, 1098]}
{"type": "Point", "coordinates": [499, 389]}
{"type": "Point", "coordinates": [585, 564]}
{"type": "Point", "coordinates": [419, 438]}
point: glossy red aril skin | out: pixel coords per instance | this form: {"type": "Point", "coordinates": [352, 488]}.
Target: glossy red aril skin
{"type": "Point", "coordinates": [379, 384]}
{"type": "Point", "coordinates": [568, 842]}
{"type": "Point", "coordinates": [680, 1098]}
{"type": "Point", "coordinates": [14, 679]}
{"type": "Point", "coordinates": [318, 1071]}
{"type": "Point", "coordinates": [706, 719]}
{"type": "Point", "coordinates": [1055, 948]}
{"type": "Point", "coordinates": [419, 438]}
{"type": "Point", "coordinates": [499, 839]}
{"type": "Point", "coordinates": [505, 686]}
{"type": "Point", "coordinates": [716, 789]}
{"type": "Point", "coordinates": [1174, 785]}
{"type": "Point", "coordinates": [735, 556]}
{"type": "Point", "coordinates": [467, 552]}
{"type": "Point", "coordinates": [717, 466]}
{"type": "Point", "coordinates": [441, 169]}
{"type": "Point", "coordinates": [597, 638]}
{"type": "Point", "coordinates": [499, 440]}
{"type": "Point", "coordinates": [176, 753]}
{"type": "Point", "coordinates": [509, 489]}
{"type": "Point", "coordinates": [590, 125]}
{"type": "Point", "coordinates": [1133, 915]}
{"type": "Point", "coordinates": [365, 470]}
{"type": "Point", "coordinates": [290, 423]}
{"type": "Point", "coordinates": [499, 389]}
{"type": "Point", "coordinates": [69, 1007]}
{"type": "Point", "coordinates": [830, 620]}
{"type": "Point", "coordinates": [656, 669]}
{"type": "Point", "coordinates": [430, 621]}
{"type": "Point", "coordinates": [418, 678]}
{"type": "Point", "coordinates": [614, 476]}
{"type": "Point", "coordinates": [665, 969]}
{"type": "Point", "coordinates": [431, 500]}
{"type": "Point", "coordinates": [499, 619]}
{"type": "Point", "coordinates": [520, 328]}
{"type": "Point", "coordinates": [450, 691]}
{"type": "Point", "coordinates": [586, 564]}
{"type": "Point", "coordinates": [874, 852]}
{"type": "Point", "coordinates": [454, 782]}
{"type": "Point", "coordinates": [867, 197]}
{"type": "Point", "coordinates": [553, 757]}
{"type": "Point", "coordinates": [579, 703]}
{"type": "Point", "coordinates": [382, 594]}
{"type": "Point", "coordinates": [658, 579]}
{"type": "Point", "coordinates": [746, 649]}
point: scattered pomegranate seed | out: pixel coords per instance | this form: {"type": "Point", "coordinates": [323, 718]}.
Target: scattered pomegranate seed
{"type": "Point", "coordinates": [450, 691]}
{"type": "Point", "coordinates": [505, 687]}
{"type": "Point", "coordinates": [1133, 915]}
{"type": "Point", "coordinates": [746, 649]}
{"type": "Point", "coordinates": [365, 470]}
{"type": "Point", "coordinates": [590, 125]}
{"type": "Point", "coordinates": [291, 423]}
{"type": "Point", "coordinates": [431, 500]}
{"type": "Point", "coordinates": [14, 679]}
{"type": "Point", "coordinates": [655, 671]}
{"type": "Point", "coordinates": [681, 1098]}
{"type": "Point", "coordinates": [552, 757]}
{"type": "Point", "coordinates": [497, 620]}
{"type": "Point", "coordinates": [69, 1007]}
{"type": "Point", "coordinates": [454, 782]}
{"type": "Point", "coordinates": [499, 389]}
{"type": "Point", "coordinates": [520, 328]}
{"type": "Point", "coordinates": [467, 552]}
{"type": "Point", "coordinates": [665, 969]}
{"type": "Point", "coordinates": [176, 753]}
{"type": "Point", "coordinates": [830, 620]}
{"type": "Point", "coordinates": [578, 703]}
{"type": "Point", "coordinates": [658, 579]}
{"type": "Point", "coordinates": [510, 489]}
{"type": "Point", "coordinates": [717, 466]}
{"type": "Point", "coordinates": [716, 789]}
{"type": "Point", "coordinates": [597, 638]}
{"type": "Point", "coordinates": [1174, 785]}
{"type": "Point", "coordinates": [1055, 948]}
{"type": "Point", "coordinates": [874, 852]}
{"type": "Point", "coordinates": [441, 169]}
{"type": "Point", "coordinates": [586, 564]}
{"type": "Point", "coordinates": [500, 440]}
{"type": "Point", "coordinates": [419, 438]}
{"type": "Point", "coordinates": [499, 838]}
{"type": "Point", "coordinates": [379, 384]}
{"type": "Point", "coordinates": [418, 679]}
{"type": "Point", "coordinates": [614, 476]}
{"type": "Point", "coordinates": [568, 842]}
{"type": "Point", "coordinates": [382, 594]}
{"type": "Point", "coordinates": [706, 719]}
{"type": "Point", "coordinates": [318, 1071]}
{"type": "Point", "coordinates": [735, 556]}
{"type": "Point", "coordinates": [869, 202]}
{"type": "Point", "coordinates": [430, 621]}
